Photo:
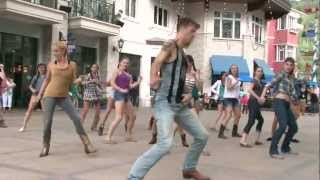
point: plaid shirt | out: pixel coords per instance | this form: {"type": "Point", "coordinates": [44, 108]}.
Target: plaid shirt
{"type": "Point", "coordinates": [285, 83]}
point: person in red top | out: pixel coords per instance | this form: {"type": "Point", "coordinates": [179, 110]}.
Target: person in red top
{"type": "Point", "coordinates": [244, 102]}
{"type": "Point", "coordinates": [3, 86]}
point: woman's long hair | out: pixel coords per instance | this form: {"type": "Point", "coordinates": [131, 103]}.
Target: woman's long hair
{"type": "Point", "coordinates": [191, 61]}
{"type": "Point", "coordinates": [237, 75]}
{"type": "Point", "coordinates": [254, 73]}
{"type": "Point", "coordinates": [38, 73]}
{"type": "Point", "coordinates": [98, 72]}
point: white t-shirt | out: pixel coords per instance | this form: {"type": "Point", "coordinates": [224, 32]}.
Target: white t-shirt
{"type": "Point", "coordinates": [235, 91]}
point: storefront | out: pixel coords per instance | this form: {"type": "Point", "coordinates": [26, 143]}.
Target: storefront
{"type": "Point", "coordinates": [19, 56]}
{"type": "Point", "coordinates": [84, 57]}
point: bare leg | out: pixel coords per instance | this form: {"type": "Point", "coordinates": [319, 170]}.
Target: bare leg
{"type": "Point", "coordinates": [131, 121]}
{"type": "Point", "coordinates": [96, 116]}
{"type": "Point", "coordinates": [228, 115]}
{"type": "Point", "coordinates": [213, 124]}
{"type": "Point", "coordinates": [110, 106]}
{"type": "Point", "coordinates": [32, 105]}
{"type": "Point", "coordinates": [85, 109]}
{"type": "Point", "coordinates": [114, 124]}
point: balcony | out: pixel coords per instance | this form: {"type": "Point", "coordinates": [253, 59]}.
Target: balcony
{"type": "Point", "coordinates": [92, 18]}
{"type": "Point", "coordinates": [277, 7]}
{"type": "Point", "coordinates": [31, 11]}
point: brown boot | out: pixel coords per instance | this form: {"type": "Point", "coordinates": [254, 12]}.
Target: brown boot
{"type": "Point", "coordinates": [153, 139]}
{"type": "Point", "coordinates": [194, 174]}
{"type": "Point", "coordinates": [184, 140]}
{"type": "Point", "coordinates": [88, 147]}
{"type": "Point", "coordinates": [3, 124]}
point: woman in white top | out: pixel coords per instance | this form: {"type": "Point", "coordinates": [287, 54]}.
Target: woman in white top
{"type": "Point", "coordinates": [231, 101]}
{"type": "Point", "coordinates": [218, 90]}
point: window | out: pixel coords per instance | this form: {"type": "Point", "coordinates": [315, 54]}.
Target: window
{"type": "Point", "coordinates": [227, 25]}
{"type": "Point", "coordinates": [131, 8]}
{"type": "Point", "coordinates": [160, 16]}
{"type": "Point", "coordinates": [281, 23]}
{"type": "Point", "coordinates": [292, 23]}
{"type": "Point", "coordinates": [284, 51]}
{"type": "Point", "coordinates": [257, 29]}
{"type": "Point", "coordinates": [287, 22]}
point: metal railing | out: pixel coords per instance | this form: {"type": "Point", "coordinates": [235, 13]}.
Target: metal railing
{"type": "Point", "coordinates": [47, 3]}
{"type": "Point", "coordinates": [96, 9]}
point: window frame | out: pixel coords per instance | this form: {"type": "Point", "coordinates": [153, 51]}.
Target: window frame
{"type": "Point", "coordinates": [129, 8]}
{"type": "Point", "coordinates": [220, 19]}
{"type": "Point", "coordinates": [287, 52]}
{"type": "Point", "coordinates": [161, 16]}
{"type": "Point", "coordinates": [257, 22]}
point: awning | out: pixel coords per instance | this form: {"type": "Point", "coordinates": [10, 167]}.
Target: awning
{"type": "Point", "coordinates": [222, 63]}
{"type": "Point", "coordinates": [268, 73]}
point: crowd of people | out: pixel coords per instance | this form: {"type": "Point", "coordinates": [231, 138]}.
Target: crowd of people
{"type": "Point", "coordinates": [177, 97]}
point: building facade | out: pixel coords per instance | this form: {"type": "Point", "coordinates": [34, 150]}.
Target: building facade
{"type": "Point", "coordinates": [283, 38]}
{"type": "Point", "coordinates": [29, 29]}
{"type": "Point", "coordinates": [228, 30]}
{"type": "Point", "coordinates": [232, 31]}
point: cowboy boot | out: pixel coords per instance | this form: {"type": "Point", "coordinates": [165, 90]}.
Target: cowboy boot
{"type": "Point", "coordinates": [153, 139]}
{"type": "Point", "coordinates": [194, 174]}
{"type": "Point", "coordinates": [235, 131]}
{"type": "Point", "coordinates": [88, 147]}
{"type": "Point", "coordinates": [184, 140]}
{"type": "Point", "coordinates": [221, 132]}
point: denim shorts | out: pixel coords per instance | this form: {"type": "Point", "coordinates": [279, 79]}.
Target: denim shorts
{"type": "Point", "coordinates": [220, 101]}
{"type": "Point", "coordinates": [233, 102]}
{"type": "Point", "coordinates": [118, 96]}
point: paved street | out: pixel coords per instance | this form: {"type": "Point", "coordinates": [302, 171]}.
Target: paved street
{"type": "Point", "coordinates": [67, 161]}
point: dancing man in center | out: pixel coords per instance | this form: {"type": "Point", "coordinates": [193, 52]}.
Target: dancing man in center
{"type": "Point", "coordinates": [168, 76]}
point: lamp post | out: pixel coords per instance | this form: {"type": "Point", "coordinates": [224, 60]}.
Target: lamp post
{"type": "Point", "coordinates": [120, 44]}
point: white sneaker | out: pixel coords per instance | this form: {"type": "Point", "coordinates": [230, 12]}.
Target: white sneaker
{"type": "Point", "coordinates": [22, 129]}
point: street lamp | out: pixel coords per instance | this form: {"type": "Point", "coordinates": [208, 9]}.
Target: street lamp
{"type": "Point", "coordinates": [120, 44]}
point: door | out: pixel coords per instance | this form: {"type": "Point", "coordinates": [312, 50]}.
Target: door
{"type": "Point", "coordinates": [19, 56]}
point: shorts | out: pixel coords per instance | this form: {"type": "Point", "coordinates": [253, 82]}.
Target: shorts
{"type": "Point", "coordinates": [220, 101]}
{"type": "Point", "coordinates": [118, 96]}
{"type": "Point", "coordinates": [233, 102]}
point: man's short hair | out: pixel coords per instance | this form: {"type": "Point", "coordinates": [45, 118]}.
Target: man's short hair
{"type": "Point", "coordinates": [184, 22]}
{"type": "Point", "coordinates": [289, 59]}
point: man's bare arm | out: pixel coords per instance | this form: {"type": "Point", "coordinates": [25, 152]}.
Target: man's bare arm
{"type": "Point", "coordinates": [163, 57]}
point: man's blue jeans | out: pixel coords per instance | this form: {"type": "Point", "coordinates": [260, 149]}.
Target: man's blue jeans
{"type": "Point", "coordinates": [165, 114]}
{"type": "Point", "coordinates": [285, 118]}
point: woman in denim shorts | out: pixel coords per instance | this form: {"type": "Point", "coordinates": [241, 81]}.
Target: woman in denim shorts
{"type": "Point", "coordinates": [231, 101]}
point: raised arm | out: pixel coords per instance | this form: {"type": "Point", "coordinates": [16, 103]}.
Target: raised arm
{"type": "Point", "coordinates": [229, 84]}
{"type": "Point", "coordinates": [275, 80]}
{"type": "Point", "coordinates": [135, 84]}
{"type": "Point", "coordinates": [214, 87]}
{"type": "Point", "coordinates": [163, 57]}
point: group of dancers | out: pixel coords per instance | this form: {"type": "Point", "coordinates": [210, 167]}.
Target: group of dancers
{"type": "Point", "coordinates": [176, 82]}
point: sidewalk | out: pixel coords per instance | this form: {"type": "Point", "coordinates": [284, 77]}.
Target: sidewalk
{"type": "Point", "coordinates": [19, 153]}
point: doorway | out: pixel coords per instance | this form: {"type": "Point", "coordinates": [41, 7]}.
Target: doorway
{"type": "Point", "coordinates": [19, 56]}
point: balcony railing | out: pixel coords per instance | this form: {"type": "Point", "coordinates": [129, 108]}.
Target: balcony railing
{"type": "Point", "coordinates": [47, 3]}
{"type": "Point", "coordinates": [96, 9]}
